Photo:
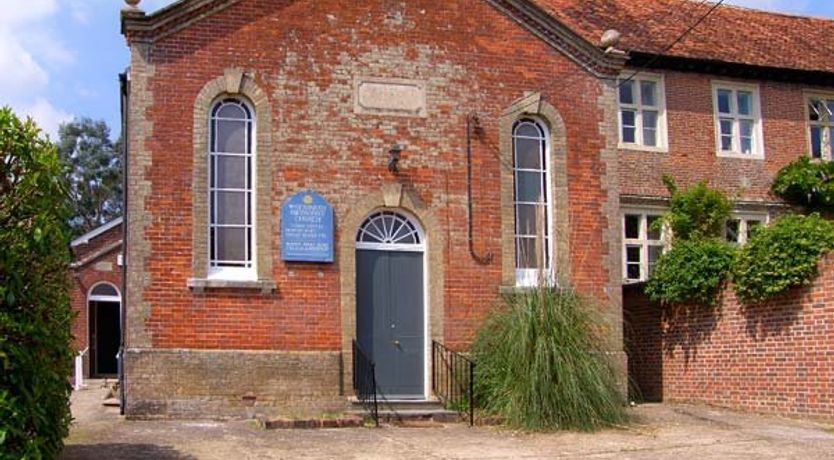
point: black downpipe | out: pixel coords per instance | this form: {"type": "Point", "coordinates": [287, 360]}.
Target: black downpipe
{"type": "Point", "coordinates": [124, 86]}
{"type": "Point", "coordinates": [473, 125]}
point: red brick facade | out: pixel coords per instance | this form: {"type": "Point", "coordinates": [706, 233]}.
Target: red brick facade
{"type": "Point", "coordinates": [95, 261]}
{"type": "Point", "coordinates": [299, 62]}
{"type": "Point", "coordinates": [774, 358]}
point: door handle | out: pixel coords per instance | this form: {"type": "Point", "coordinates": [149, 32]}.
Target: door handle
{"type": "Point", "coordinates": [397, 343]}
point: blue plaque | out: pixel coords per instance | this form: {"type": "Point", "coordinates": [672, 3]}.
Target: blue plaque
{"type": "Point", "coordinates": [307, 228]}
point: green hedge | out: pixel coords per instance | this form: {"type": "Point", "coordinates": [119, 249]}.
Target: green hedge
{"type": "Point", "coordinates": [691, 272]}
{"type": "Point", "coordinates": [697, 212]}
{"type": "Point", "coordinates": [35, 315]}
{"type": "Point", "coordinates": [782, 255]}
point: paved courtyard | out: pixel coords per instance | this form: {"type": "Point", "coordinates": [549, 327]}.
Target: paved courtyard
{"type": "Point", "coordinates": [662, 432]}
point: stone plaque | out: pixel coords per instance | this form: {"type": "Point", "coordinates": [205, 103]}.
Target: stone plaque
{"type": "Point", "coordinates": [307, 229]}
{"type": "Point", "coordinates": [390, 96]}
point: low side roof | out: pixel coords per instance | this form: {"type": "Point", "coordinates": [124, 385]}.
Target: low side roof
{"type": "Point", "coordinates": [730, 34]}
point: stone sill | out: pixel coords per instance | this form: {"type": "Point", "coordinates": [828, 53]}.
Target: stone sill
{"type": "Point", "coordinates": [200, 285]}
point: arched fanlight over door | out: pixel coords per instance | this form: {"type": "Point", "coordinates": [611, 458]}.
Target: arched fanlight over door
{"type": "Point", "coordinates": [389, 230]}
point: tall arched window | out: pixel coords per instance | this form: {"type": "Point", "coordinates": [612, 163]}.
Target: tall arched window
{"type": "Point", "coordinates": [231, 190]}
{"type": "Point", "coordinates": [532, 201]}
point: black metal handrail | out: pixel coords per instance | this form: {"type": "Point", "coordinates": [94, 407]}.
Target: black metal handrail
{"type": "Point", "coordinates": [364, 382]}
{"type": "Point", "coordinates": [453, 380]}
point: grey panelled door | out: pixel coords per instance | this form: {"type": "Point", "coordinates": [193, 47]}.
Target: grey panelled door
{"type": "Point", "coordinates": [390, 318]}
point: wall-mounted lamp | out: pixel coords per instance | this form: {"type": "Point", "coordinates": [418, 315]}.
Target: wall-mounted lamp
{"type": "Point", "coordinates": [394, 158]}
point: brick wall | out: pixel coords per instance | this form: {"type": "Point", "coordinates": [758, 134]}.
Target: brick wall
{"type": "Point", "coordinates": [297, 52]}
{"type": "Point", "coordinates": [692, 152]}
{"type": "Point", "coordinates": [305, 56]}
{"type": "Point", "coordinates": [99, 263]}
{"type": "Point", "coordinates": [776, 358]}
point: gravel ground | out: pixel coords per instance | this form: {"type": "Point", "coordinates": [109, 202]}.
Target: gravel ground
{"type": "Point", "coordinates": [663, 431]}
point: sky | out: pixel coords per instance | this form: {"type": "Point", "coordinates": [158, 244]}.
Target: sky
{"type": "Point", "coordinates": [60, 59]}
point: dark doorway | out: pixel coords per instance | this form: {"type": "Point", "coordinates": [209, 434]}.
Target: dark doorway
{"type": "Point", "coordinates": [390, 303]}
{"type": "Point", "coordinates": [104, 330]}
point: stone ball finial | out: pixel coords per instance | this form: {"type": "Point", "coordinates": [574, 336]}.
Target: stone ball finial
{"type": "Point", "coordinates": [131, 5]}
{"type": "Point", "coordinates": [610, 37]}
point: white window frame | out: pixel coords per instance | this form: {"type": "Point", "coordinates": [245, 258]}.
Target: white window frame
{"type": "Point", "coordinates": [758, 147]}
{"type": "Point", "coordinates": [530, 277]}
{"type": "Point", "coordinates": [744, 220]}
{"type": "Point", "coordinates": [643, 241]}
{"type": "Point", "coordinates": [827, 153]}
{"type": "Point", "coordinates": [234, 273]}
{"type": "Point", "coordinates": [662, 128]}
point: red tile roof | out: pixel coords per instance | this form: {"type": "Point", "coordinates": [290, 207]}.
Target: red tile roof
{"type": "Point", "coordinates": [730, 34]}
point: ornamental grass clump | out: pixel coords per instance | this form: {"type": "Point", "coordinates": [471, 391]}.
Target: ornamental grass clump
{"type": "Point", "coordinates": [781, 256]}
{"type": "Point", "coordinates": [541, 364]}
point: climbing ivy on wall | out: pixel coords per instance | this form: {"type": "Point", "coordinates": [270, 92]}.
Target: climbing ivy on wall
{"type": "Point", "coordinates": [807, 183]}
{"type": "Point", "coordinates": [699, 260]}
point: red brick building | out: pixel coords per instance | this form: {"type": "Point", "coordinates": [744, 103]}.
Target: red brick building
{"type": "Point", "coordinates": [439, 134]}
{"type": "Point", "coordinates": [96, 298]}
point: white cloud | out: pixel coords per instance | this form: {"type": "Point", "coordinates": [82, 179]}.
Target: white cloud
{"type": "Point", "coordinates": [30, 53]}
{"type": "Point", "coordinates": [48, 117]}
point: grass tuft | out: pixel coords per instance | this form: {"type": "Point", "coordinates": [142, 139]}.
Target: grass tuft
{"type": "Point", "coordinates": [540, 365]}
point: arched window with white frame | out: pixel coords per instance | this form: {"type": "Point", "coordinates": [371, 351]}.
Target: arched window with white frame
{"type": "Point", "coordinates": [231, 190]}
{"type": "Point", "coordinates": [532, 203]}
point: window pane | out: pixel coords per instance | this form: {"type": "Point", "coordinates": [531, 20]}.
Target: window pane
{"type": "Point", "coordinates": [828, 113]}
{"type": "Point", "coordinates": [526, 219]}
{"type": "Point", "coordinates": [815, 110]}
{"type": "Point", "coordinates": [633, 253]}
{"type": "Point", "coordinates": [231, 172]}
{"type": "Point", "coordinates": [528, 129]}
{"type": "Point", "coordinates": [632, 227]}
{"type": "Point", "coordinates": [231, 137]}
{"type": "Point", "coordinates": [831, 142]}
{"type": "Point", "coordinates": [648, 93]}
{"type": "Point", "coordinates": [732, 232]}
{"type": "Point", "coordinates": [654, 254]}
{"type": "Point", "coordinates": [653, 233]}
{"type": "Point", "coordinates": [816, 142]}
{"type": "Point", "coordinates": [230, 208]}
{"type": "Point", "coordinates": [745, 102]}
{"type": "Point", "coordinates": [627, 92]}
{"type": "Point", "coordinates": [633, 271]}
{"type": "Point", "coordinates": [105, 290]}
{"type": "Point", "coordinates": [529, 187]}
{"type": "Point", "coordinates": [526, 253]}
{"type": "Point", "coordinates": [232, 111]}
{"type": "Point", "coordinates": [724, 97]}
{"type": "Point", "coordinates": [726, 127]}
{"type": "Point", "coordinates": [528, 153]}
{"type": "Point", "coordinates": [650, 128]}
{"type": "Point", "coordinates": [746, 128]}
{"type": "Point", "coordinates": [231, 244]}
{"type": "Point", "coordinates": [629, 120]}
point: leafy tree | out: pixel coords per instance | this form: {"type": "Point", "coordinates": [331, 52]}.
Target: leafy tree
{"type": "Point", "coordinates": [95, 172]}
{"type": "Point", "coordinates": [35, 314]}
{"type": "Point", "coordinates": [697, 212]}
{"type": "Point", "coordinates": [807, 183]}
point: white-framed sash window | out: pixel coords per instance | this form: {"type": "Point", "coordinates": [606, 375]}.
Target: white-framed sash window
{"type": "Point", "coordinates": [738, 120]}
{"type": "Point", "coordinates": [642, 112]}
{"type": "Point", "coordinates": [643, 244]}
{"type": "Point", "coordinates": [532, 203]}
{"type": "Point", "coordinates": [821, 126]}
{"type": "Point", "coordinates": [231, 191]}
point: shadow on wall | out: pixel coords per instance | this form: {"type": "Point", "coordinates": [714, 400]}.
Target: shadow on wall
{"type": "Point", "coordinates": [122, 452]}
{"type": "Point", "coordinates": [775, 317]}
{"type": "Point", "coordinates": [688, 326]}
{"type": "Point", "coordinates": [643, 340]}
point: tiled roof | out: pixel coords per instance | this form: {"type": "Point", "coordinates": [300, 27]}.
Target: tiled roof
{"type": "Point", "coordinates": [730, 34]}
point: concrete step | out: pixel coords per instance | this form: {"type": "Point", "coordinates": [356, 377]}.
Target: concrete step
{"type": "Point", "coordinates": [400, 405]}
